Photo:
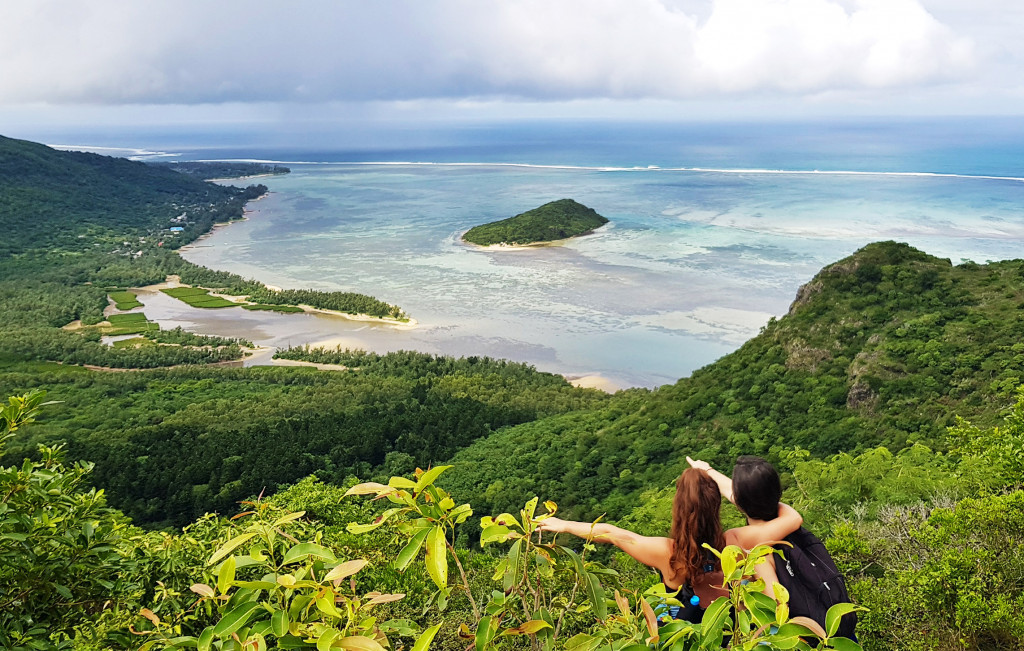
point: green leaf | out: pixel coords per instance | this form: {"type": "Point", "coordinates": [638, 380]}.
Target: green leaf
{"type": "Point", "coordinates": [327, 639]}
{"type": "Point", "coordinates": [583, 642]}
{"type": "Point", "coordinates": [304, 550]}
{"type": "Point", "coordinates": [325, 604]}
{"type": "Point", "coordinates": [834, 617]}
{"type": "Point", "coordinates": [781, 593]}
{"type": "Point", "coordinates": [843, 644]}
{"type": "Point", "coordinates": [437, 556]}
{"type": "Point", "coordinates": [427, 478]}
{"type": "Point", "coordinates": [226, 574]}
{"type": "Point", "coordinates": [279, 623]}
{"type": "Point", "coordinates": [713, 622]}
{"type": "Point", "coordinates": [205, 639]}
{"type": "Point", "coordinates": [596, 595]}
{"type": "Point", "coordinates": [369, 488]}
{"type": "Point", "coordinates": [291, 642]}
{"type": "Point", "coordinates": [345, 570]}
{"type": "Point", "coordinates": [494, 533]}
{"type": "Point", "coordinates": [460, 513]}
{"type": "Point", "coordinates": [528, 628]}
{"type": "Point", "coordinates": [235, 619]}
{"type": "Point", "coordinates": [512, 569]}
{"type": "Point", "coordinates": [507, 519]}
{"type": "Point", "coordinates": [289, 518]}
{"type": "Point", "coordinates": [423, 641]}
{"type": "Point", "coordinates": [499, 569]}
{"type": "Point", "coordinates": [360, 643]}
{"type": "Point", "coordinates": [410, 551]}
{"type": "Point", "coordinates": [529, 510]}
{"type": "Point", "coordinates": [355, 528]}
{"type": "Point", "coordinates": [229, 547]}
{"type": "Point", "coordinates": [401, 482]}
{"type": "Point", "coordinates": [728, 564]}
{"type": "Point", "coordinates": [404, 627]}
{"type": "Point", "coordinates": [257, 585]}
{"type": "Point", "coordinates": [484, 633]}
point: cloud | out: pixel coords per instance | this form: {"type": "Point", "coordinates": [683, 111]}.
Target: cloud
{"type": "Point", "coordinates": [195, 51]}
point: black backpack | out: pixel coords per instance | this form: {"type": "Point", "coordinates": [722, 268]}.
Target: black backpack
{"type": "Point", "coordinates": [813, 580]}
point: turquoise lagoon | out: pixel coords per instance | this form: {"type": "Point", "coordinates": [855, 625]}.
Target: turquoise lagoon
{"type": "Point", "coordinates": [712, 232]}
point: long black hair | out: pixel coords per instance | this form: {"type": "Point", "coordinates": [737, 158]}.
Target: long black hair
{"type": "Point", "coordinates": [756, 487]}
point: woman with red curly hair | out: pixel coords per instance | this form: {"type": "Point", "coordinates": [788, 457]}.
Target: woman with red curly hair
{"type": "Point", "coordinates": [684, 564]}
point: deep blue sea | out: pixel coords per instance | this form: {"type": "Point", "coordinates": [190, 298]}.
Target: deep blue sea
{"type": "Point", "coordinates": [713, 228]}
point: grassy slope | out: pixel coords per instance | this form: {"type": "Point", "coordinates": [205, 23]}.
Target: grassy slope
{"type": "Point", "coordinates": [556, 220]}
{"type": "Point", "coordinates": [882, 348]}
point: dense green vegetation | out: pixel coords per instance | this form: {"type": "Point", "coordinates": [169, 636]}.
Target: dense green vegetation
{"type": "Point", "coordinates": [935, 576]}
{"type": "Point", "coordinates": [207, 170]}
{"type": "Point", "coordinates": [284, 309]}
{"type": "Point", "coordinates": [556, 220]}
{"type": "Point", "coordinates": [171, 445]}
{"type": "Point", "coordinates": [348, 302]}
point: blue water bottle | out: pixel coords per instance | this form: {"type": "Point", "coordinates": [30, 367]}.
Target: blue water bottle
{"type": "Point", "coordinates": [691, 611]}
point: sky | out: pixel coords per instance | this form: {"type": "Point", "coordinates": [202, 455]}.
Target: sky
{"type": "Point", "coordinates": [68, 64]}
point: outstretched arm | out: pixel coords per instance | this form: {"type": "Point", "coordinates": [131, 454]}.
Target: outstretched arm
{"type": "Point", "coordinates": [766, 531]}
{"type": "Point", "coordinates": [649, 550]}
{"type": "Point", "coordinates": [724, 483]}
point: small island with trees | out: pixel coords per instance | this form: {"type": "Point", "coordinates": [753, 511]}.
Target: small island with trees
{"type": "Point", "coordinates": [557, 220]}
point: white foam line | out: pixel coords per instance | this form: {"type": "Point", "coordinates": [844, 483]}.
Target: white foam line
{"type": "Point", "coordinates": [696, 170]}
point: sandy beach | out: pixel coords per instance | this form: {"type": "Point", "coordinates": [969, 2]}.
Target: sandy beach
{"type": "Point", "coordinates": [594, 381]}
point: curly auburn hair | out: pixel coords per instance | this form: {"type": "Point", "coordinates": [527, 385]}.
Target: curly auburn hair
{"type": "Point", "coordinates": [695, 521]}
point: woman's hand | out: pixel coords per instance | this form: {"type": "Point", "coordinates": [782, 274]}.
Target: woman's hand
{"type": "Point", "coordinates": [698, 464]}
{"type": "Point", "coordinates": [553, 525]}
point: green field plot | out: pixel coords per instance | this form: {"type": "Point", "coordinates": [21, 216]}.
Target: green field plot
{"type": "Point", "coordinates": [198, 297]}
{"type": "Point", "coordinates": [134, 342]}
{"type": "Point", "coordinates": [274, 308]}
{"type": "Point", "coordinates": [126, 319]}
{"type": "Point", "coordinates": [132, 323]}
{"type": "Point", "coordinates": [125, 300]}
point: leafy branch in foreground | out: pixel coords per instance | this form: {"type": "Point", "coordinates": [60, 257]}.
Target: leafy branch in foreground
{"type": "Point", "coordinates": [270, 586]}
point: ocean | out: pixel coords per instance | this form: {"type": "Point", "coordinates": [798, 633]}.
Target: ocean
{"type": "Point", "coordinates": [713, 229]}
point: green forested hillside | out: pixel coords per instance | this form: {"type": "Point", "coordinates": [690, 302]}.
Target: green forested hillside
{"type": "Point", "coordinates": [48, 199]}
{"type": "Point", "coordinates": [556, 220]}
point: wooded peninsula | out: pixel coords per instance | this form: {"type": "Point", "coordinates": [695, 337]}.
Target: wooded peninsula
{"type": "Point", "coordinates": [180, 504]}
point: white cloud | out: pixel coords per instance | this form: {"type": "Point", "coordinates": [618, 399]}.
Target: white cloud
{"type": "Point", "coordinates": [193, 51]}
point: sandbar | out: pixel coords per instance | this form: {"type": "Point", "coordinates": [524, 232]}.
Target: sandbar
{"type": "Point", "coordinates": [175, 281]}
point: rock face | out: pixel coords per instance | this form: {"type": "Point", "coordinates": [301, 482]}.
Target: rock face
{"type": "Point", "coordinates": [804, 294]}
{"type": "Point", "coordinates": [553, 221]}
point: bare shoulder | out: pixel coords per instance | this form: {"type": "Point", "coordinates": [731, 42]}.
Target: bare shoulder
{"type": "Point", "coordinates": [746, 537]}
